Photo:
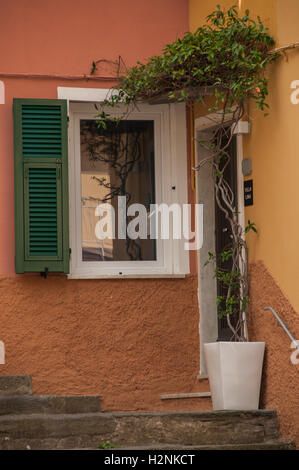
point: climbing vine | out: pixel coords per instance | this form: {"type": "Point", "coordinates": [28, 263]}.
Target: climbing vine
{"type": "Point", "coordinates": [220, 66]}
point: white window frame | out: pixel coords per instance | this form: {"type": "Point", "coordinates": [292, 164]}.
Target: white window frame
{"type": "Point", "coordinates": [170, 185]}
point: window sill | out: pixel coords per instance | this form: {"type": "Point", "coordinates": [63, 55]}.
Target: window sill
{"type": "Point", "coordinates": [126, 276]}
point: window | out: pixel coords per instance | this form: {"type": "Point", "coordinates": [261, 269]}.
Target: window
{"type": "Point", "coordinates": [134, 159]}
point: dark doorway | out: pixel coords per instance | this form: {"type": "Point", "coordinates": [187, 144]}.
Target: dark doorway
{"type": "Point", "coordinates": [223, 237]}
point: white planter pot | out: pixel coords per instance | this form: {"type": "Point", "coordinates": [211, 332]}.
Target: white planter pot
{"type": "Point", "coordinates": [235, 372]}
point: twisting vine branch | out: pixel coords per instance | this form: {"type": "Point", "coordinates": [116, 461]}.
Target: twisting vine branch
{"type": "Point", "coordinates": [222, 63]}
{"type": "Point", "coordinates": [233, 304]}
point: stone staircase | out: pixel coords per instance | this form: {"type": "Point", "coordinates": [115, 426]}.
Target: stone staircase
{"type": "Point", "coordinates": [30, 421]}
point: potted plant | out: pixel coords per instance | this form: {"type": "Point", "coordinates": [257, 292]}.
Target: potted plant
{"type": "Point", "coordinates": [234, 366]}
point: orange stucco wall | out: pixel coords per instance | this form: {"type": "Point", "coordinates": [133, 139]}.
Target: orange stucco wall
{"type": "Point", "coordinates": [280, 376]}
{"type": "Point", "coordinates": [127, 340]}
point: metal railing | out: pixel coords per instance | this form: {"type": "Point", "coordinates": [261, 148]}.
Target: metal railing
{"type": "Point", "coordinates": [296, 344]}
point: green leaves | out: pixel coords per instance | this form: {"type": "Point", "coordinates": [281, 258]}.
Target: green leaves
{"type": "Point", "coordinates": [250, 226]}
{"type": "Point", "coordinates": [226, 254]}
{"type": "Point", "coordinates": [230, 280]}
{"type": "Point", "coordinates": [106, 445]}
{"type": "Point", "coordinates": [93, 68]}
{"type": "Point", "coordinates": [228, 51]}
{"type": "Point", "coordinates": [211, 256]}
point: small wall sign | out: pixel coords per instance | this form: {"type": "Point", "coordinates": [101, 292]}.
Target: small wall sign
{"type": "Point", "coordinates": [248, 193]}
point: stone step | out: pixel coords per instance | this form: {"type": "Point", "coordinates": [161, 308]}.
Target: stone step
{"type": "Point", "coordinates": [88, 430]}
{"type": "Point", "coordinates": [270, 445]}
{"type": "Point", "coordinates": [33, 404]}
{"type": "Point", "coordinates": [15, 385]}
{"type": "Point", "coordinates": [52, 444]}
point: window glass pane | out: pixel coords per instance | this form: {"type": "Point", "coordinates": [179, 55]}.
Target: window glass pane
{"type": "Point", "coordinates": [116, 161]}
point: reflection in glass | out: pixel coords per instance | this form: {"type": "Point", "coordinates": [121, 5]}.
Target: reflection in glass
{"type": "Point", "coordinates": [116, 161]}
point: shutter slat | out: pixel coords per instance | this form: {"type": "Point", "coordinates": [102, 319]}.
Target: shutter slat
{"type": "Point", "coordinates": [40, 110]}
{"type": "Point", "coordinates": [42, 144]}
{"type": "Point", "coordinates": [36, 156]}
{"type": "Point", "coordinates": [36, 134]}
{"type": "Point", "coordinates": [44, 140]}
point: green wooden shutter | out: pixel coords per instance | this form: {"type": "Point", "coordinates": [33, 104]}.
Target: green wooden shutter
{"type": "Point", "coordinates": [41, 186]}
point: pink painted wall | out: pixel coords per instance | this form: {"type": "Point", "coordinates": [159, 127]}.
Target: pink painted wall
{"type": "Point", "coordinates": [64, 37]}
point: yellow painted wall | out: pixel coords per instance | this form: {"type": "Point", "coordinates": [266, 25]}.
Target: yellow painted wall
{"type": "Point", "coordinates": [273, 146]}
{"type": "Point", "coordinates": [199, 9]}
